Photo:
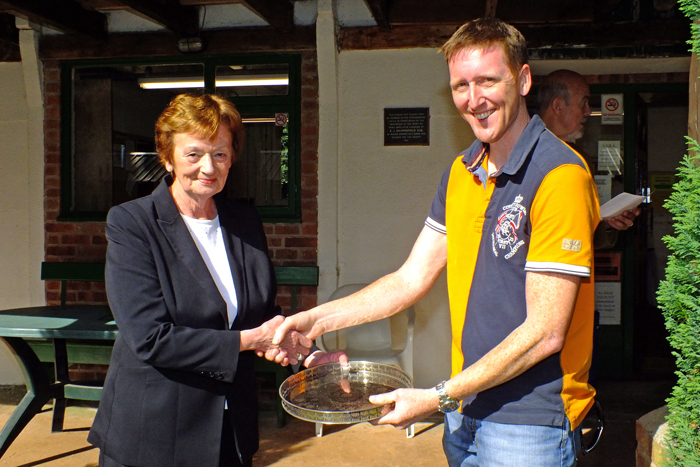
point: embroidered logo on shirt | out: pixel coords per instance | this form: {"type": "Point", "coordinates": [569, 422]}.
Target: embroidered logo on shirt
{"type": "Point", "coordinates": [569, 244]}
{"type": "Point", "coordinates": [505, 236]}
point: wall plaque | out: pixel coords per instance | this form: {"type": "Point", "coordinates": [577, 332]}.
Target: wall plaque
{"type": "Point", "coordinates": [407, 127]}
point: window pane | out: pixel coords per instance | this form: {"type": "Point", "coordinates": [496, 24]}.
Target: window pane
{"type": "Point", "coordinates": [252, 80]}
{"type": "Point", "coordinates": [109, 156]}
{"type": "Point", "coordinates": [603, 147]}
{"type": "Point", "coordinates": [260, 175]}
{"type": "Point", "coordinates": [114, 114]}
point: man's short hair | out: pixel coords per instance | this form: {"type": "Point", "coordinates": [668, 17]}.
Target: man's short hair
{"type": "Point", "coordinates": [485, 32]}
{"type": "Point", "coordinates": [555, 84]}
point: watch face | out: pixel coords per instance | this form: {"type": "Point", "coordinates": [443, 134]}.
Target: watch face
{"type": "Point", "coordinates": [445, 402]}
{"type": "Point", "coordinates": [449, 406]}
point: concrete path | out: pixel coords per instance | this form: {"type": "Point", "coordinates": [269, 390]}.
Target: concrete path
{"type": "Point", "coordinates": [361, 445]}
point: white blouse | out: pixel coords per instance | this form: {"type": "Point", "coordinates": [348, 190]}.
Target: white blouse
{"type": "Point", "coordinates": [210, 242]}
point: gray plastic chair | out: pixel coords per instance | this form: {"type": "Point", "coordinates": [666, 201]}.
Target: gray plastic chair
{"type": "Point", "coordinates": [388, 341]}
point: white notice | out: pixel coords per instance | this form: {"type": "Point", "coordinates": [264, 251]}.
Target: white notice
{"type": "Point", "coordinates": [608, 302]}
{"type": "Point", "coordinates": [609, 157]}
{"type": "Point", "coordinates": [604, 185]}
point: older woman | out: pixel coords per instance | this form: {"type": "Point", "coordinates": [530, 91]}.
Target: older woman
{"type": "Point", "coordinates": [192, 288]}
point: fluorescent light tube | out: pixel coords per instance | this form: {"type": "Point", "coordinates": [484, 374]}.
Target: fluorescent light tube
{"type": "Point", "coordinates": [224, 82]}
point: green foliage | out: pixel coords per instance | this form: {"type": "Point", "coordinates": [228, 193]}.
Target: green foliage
{"type": "Point", "coordinates": [284, 158]}
{"type": "Point", "coordinates": [691, 9]}
{"type": "Point", "coordinates": [679, 298]}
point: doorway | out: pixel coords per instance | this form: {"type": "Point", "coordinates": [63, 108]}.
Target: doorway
{"type": "Point", "coordinates": [639, 153]}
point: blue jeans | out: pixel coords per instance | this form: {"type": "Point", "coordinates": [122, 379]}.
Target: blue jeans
{"type": "Point", "coordinates": [470, 443]}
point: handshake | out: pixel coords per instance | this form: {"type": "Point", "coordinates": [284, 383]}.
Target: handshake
{"type": "Point", "coordinates": [278, 341]}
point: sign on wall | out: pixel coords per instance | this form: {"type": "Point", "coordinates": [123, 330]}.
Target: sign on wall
{"type": "Point", "coordinates": [608, 302]}
{"type": "Point", "coordinates": [604, 185]}
{"type": "Point", "coordinates": [407, 127]}
{"type": "Point", "coordinates": [607, 265]}
{"type": "Point", "coordinates": [611, 111]}
{"type": "Point", "coordinates": [609, 157]}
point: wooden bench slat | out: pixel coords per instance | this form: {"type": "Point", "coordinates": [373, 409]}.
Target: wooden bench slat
{"type": "Point", "coordinates": [52, 271]}
{"type": "Point", "coordinates": [296, 275]}
{"type": "Point", "coordinates": [82, 392]}
{"type": "Point", "coordinates": [98, 353]}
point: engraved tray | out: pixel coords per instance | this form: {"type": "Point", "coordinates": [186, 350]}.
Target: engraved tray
{"type": "Point", "coordinates": [330, 394]}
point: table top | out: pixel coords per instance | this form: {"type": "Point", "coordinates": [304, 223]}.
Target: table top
{"type": "Point", "coordinates": [59, 322]}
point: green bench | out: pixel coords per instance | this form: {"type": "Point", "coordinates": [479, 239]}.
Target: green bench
{"type": "Point", "coordinates": [94, 353]}
{"type": "Point", "coordinates": [99, 352]}
{"type": "Point", "coordinates": [293, 276]}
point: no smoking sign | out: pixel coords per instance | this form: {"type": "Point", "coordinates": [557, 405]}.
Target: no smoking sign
{"type": "Point", "coordinates": [612, 104]}
{"type": "Point", "coordinates": [612, 109]}
{"type": "Point", "coordinates": [281, 119]}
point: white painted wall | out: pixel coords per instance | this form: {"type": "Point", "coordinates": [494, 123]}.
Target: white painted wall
{"type": "Point", "coordinates": [14, 205]}
{"type": "Point", "coordinates": [384, 193]}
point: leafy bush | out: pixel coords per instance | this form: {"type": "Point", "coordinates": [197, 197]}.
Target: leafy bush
{"type": "Point", "coordinates": [679, 298]}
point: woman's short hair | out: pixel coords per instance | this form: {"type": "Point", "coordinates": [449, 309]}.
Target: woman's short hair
{"type": "Point", "coordinates": [485, 32]}
{"type": "Point", "coordinates": [201, 115]}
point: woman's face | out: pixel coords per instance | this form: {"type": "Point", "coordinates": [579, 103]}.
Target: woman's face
{"type": "Point", "coordinates": [200, 166]}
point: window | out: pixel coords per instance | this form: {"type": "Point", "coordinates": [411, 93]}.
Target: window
{"type": "Point", "coordinates": [109, 112]}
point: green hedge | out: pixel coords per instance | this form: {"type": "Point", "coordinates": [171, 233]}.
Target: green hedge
{"type": "Point", "coordinates": [679, 298]}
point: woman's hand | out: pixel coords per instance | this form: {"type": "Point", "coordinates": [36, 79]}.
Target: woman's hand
{"type": "Point", "coordinates": [293, 349]}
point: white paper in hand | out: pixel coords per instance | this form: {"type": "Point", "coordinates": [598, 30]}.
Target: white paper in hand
{"type": "Point", "coordinates": [619, 204]}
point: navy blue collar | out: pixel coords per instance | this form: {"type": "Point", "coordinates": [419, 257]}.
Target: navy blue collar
{"type": "Point", "coordinates": [522, 149]}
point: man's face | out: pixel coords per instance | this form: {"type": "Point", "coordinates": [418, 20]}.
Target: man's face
{"type": "Point", "coordinates": [486, 93]}
{"type": "Point", "coordinates": [574, 115]}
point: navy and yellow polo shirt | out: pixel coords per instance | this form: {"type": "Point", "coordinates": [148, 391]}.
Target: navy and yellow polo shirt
{"type": "Point", "coordinates": [538, 213]}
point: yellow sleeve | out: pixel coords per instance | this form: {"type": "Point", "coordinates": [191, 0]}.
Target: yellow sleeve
{"type": "Point", "coordinates": [564, 216]}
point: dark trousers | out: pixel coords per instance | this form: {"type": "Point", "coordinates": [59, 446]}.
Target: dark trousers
{"type": "Point", "coordinates": [227, 458]}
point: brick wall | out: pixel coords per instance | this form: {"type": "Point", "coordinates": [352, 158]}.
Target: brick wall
{"type": "Point", "coordinates": [297, 244]}
{"type": "Point", "coordinates": [289, 243]}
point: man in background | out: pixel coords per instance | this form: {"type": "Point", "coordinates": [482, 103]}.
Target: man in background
{"type": "Point", "coordinates": [563, 105]}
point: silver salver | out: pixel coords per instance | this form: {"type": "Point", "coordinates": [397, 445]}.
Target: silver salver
{"type": "Point", "coordinates": [332, 394]}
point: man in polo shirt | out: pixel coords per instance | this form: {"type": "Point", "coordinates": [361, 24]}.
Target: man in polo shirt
{"type": "Point", "coordinates": [513, 222]}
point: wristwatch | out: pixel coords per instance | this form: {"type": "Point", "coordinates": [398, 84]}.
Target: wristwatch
{"type": "Point", "coordinates": [445, 402]}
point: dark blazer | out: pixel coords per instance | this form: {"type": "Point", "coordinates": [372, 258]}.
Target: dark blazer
{"type": "Point", "coordinates": [175, 362]}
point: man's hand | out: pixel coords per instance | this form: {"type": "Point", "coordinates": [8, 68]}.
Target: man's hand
{"type": "Point", "coordinates": [304, 322]}
{"type": "Point", "coordinates": [405, 406]}
{"type": "Point", "coordinates": [293, 348]}
{"type": "Point", "coordinates": [625, 220]}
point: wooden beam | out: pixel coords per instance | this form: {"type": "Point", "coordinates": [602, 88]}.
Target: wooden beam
{"type": "Point", "coordinates": [380, 13]}
{"type": "Point", "coordinates": [101, 5]}
{"type": "Point", "coordinates": [8, 31]}
{"type": "Point", "coordinates": [165, 43]}
{"type": "Point", "coordinates": [182, 20]}
{"type": "Point", "coordinates": [490, 9]}
{"type": "Point", "coordinates": [603, 9]}
{"type": "Point", "coordinates": [210, 2]}
{"type": "Point", "coordinates": [632, 34]}
{"type": "Point", "coordinates": [65, 15]}
{"type": "Point", "coordinates": [511, 11]}
{"type": "Point", "coordinates": [9, 39]}
{"type": "Point", "coordinates": [602, 35]}
{"type": "Point", "coordinates": [278, 13]}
